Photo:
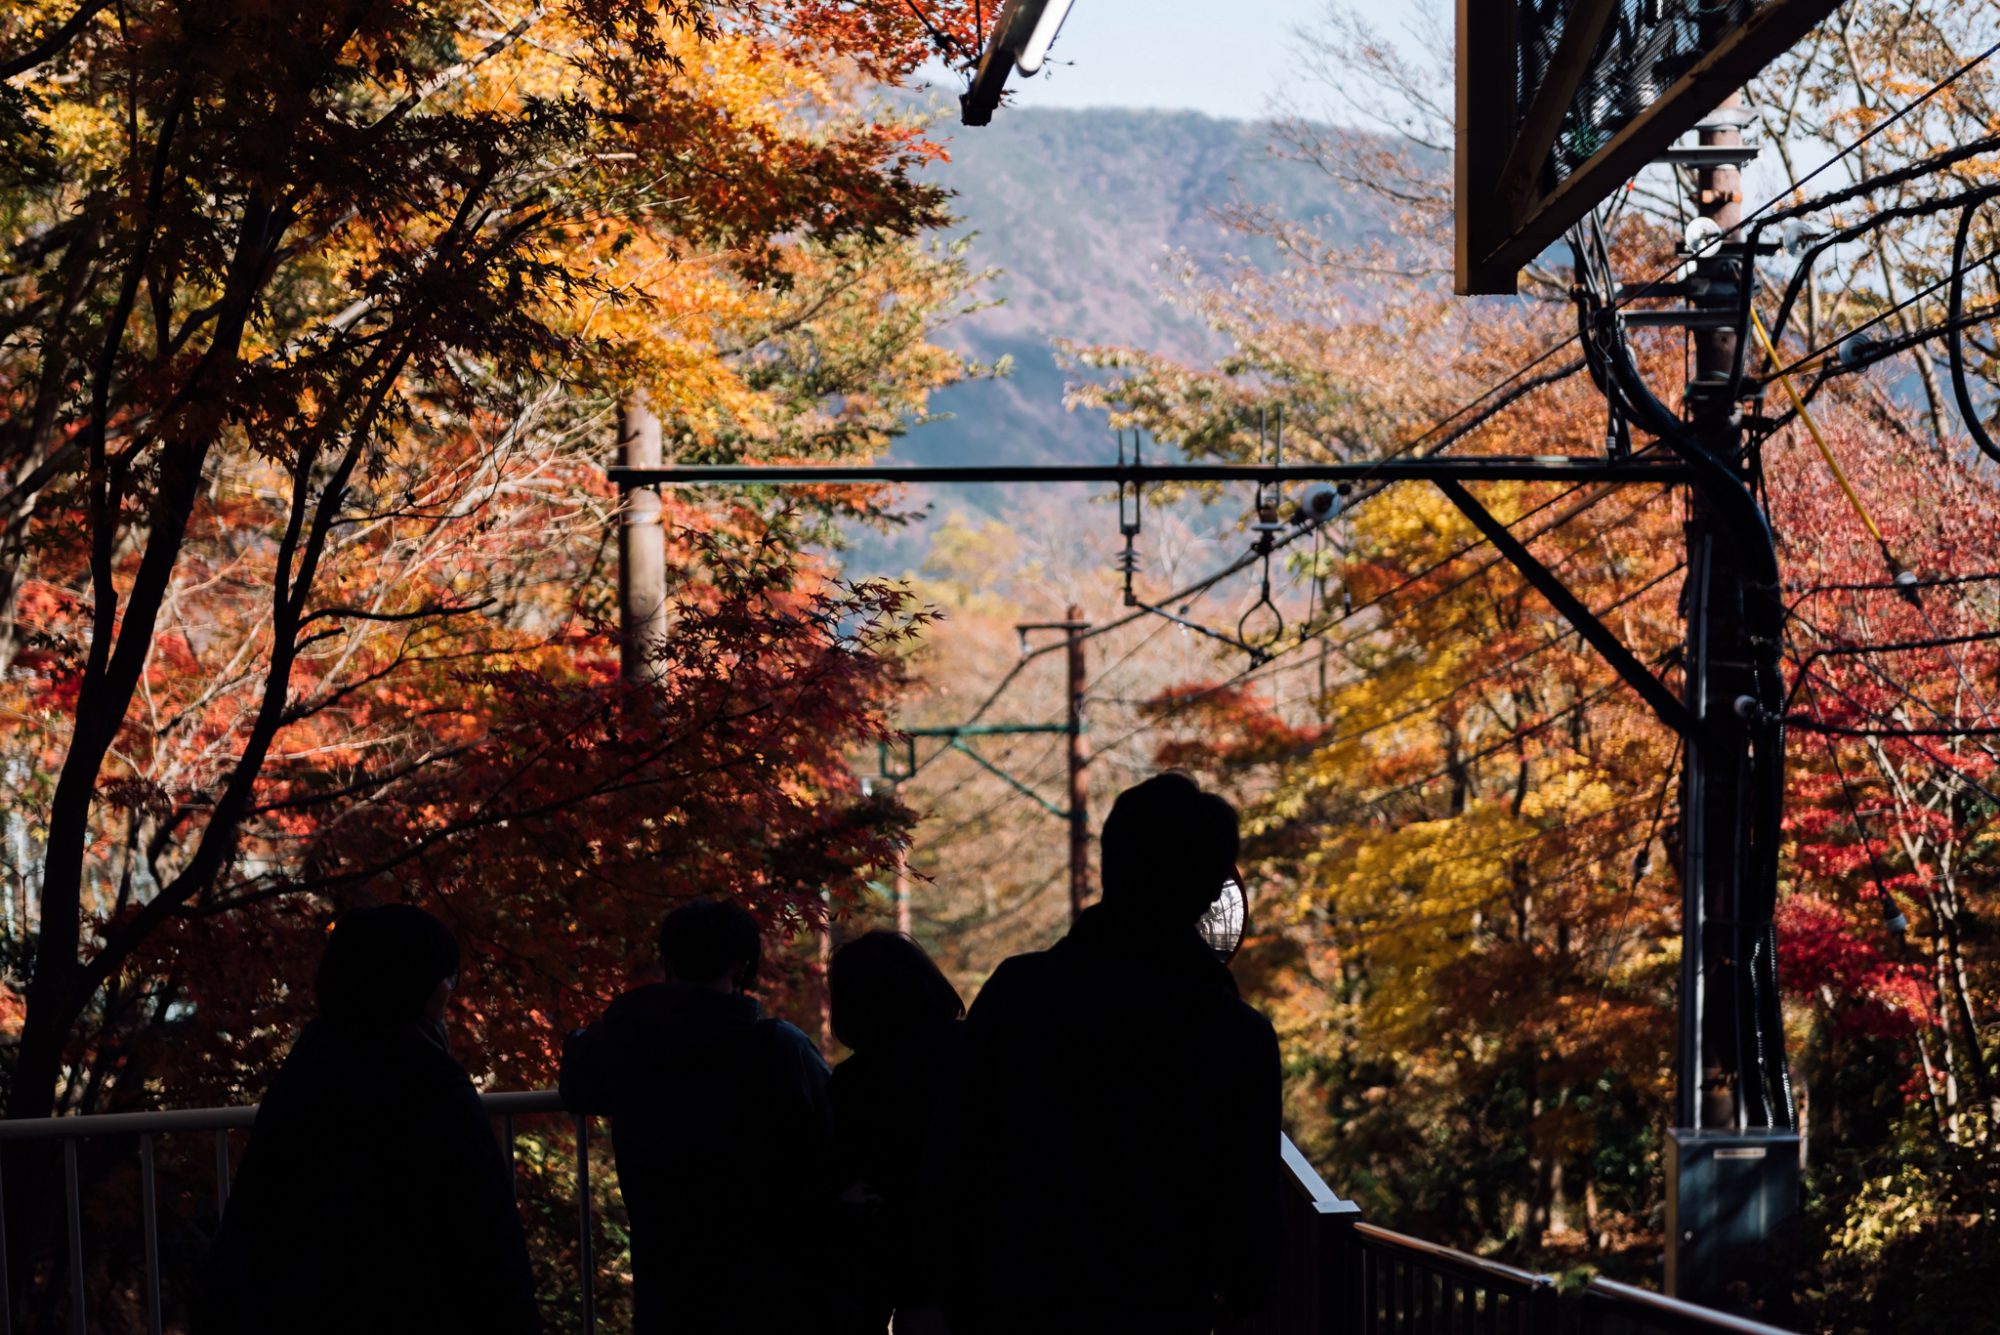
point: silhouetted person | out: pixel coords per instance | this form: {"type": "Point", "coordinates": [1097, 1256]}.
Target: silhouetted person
{"type": "Point", "coordinates": [902, 1020]}
{"type": "Point", "coordinates": [1116, 1156]}
{"type": "Point", "coordinates": [723, 1131]}
{"type": "Point", "coordinates": [373, 1198]}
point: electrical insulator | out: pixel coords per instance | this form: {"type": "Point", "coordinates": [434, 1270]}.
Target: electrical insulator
{"type": "Point", "coordinates": [1320, 503]}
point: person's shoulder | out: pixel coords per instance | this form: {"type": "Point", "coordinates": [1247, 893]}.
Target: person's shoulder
{"type": "Point", "coordinates": [1020, 991]}
{"type": "Point", "coordinates": [785, 1037]}
{"type": "Point", "coordinates": [1242, 1028]}
{"type": "Point", "coordinates": [1018, 971]}
{"type": "Point", "coordinates": [644, 999]}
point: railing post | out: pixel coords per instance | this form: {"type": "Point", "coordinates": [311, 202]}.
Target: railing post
{"type": "Point", "coordinates": [149, 1208]}
{"type": "Point", "coordinates": [78, 1321]}
{"type": "Point", "coordinates": [583, 1218]}
{"type": "Point", "coordinates": [513, 1169]}
{"type": "Point", "coordinates": [6, 1282]}
{"type": "Point", "coordinates": [1545, 1311]}
{"type": "Point", "coordinates": [221, 1171]}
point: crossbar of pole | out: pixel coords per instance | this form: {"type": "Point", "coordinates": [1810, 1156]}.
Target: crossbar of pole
{"type": "Point", "coordinates": [1058, 812]}
{"type": "Point", "coordinates": [1490, 468]}
{"type": "Point", "coordinates": [988, 730]}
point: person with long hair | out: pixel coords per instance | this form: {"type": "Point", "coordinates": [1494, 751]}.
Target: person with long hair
{"type": "Point", "coordinates": [900, 1019]}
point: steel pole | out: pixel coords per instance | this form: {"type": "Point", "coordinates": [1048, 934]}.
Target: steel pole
{"type": "Point", "coordinates": [1079, 814]}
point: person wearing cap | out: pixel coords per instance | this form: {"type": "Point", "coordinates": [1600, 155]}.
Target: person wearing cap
{"type": "Point", "coordinates": [1114, 1136]}
{"type": "Point", "coordinates": [373, 1198]}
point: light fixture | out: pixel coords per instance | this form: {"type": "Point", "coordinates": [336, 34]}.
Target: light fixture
{"type": "Point", "coordinates": [1042, 36]}
{"type": "Point", "coordinates": [1022, 36]}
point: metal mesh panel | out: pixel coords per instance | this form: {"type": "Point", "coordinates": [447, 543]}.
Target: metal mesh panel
{"type": "Point", "coordinates": [1648, 45]}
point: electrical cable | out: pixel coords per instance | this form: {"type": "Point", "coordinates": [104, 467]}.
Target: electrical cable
{"type": "Point", "coordinates": [1853, 190]}
{"type": "Point", "coordinates": [1955, 340]}
{"type": "Point", "coordinates": [1893, 586]}
{"type": "Point", "coordinates": [1243, 563]}
{"type": "Point", "coordinates": [1513, 738]}
{"type": "Point", "coordinates": [945, 44]}
{"type": "Point", "coordinates": [1804, 724]}
{"type": "Point", "coordinates": [1311, 635]}
{"type": "Point", "coordinates": [1496, 669]}
{"type": "Point", "coordinates": [1833, 345]}
{"type": "Point", "coordinates": [1892, 914]}
{"type": "Point", "coordinates": [1939, 763]}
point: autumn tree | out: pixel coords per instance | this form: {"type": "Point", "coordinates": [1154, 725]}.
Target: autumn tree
{"type": "Point", "coordinates": [1477, 926]}
{"type": "Point", "coordinates": [309, 329]}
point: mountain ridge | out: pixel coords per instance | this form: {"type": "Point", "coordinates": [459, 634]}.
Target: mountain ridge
{"type": "Point", "coordinates": [1078, 212]}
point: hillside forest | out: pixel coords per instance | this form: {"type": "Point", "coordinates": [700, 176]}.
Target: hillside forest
{"type": "Point", "coordinates": [315, 327]}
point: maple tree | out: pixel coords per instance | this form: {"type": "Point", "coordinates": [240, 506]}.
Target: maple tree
{"type": "Point", "coordinates": [312, 325]}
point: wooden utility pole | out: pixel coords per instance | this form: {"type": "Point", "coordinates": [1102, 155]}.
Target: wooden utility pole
{"type": "Point", "coordinates": [902, 897]}
{"type": "Point", "coordinates": [642, 546]}
{"type": "Point", "coordinates": [1079, 814]}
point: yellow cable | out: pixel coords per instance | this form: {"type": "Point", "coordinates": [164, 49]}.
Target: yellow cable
{"type": "Point", "coordinates": [1839, 474]}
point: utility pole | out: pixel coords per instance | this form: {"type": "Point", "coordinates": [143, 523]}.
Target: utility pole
{"type": "Point", "coordinates": [902, 897]}
{"type": "Point", "coordinates": [1711, 800]}
{"type": "Point", "coordinates": [1733, 1156]}
{"type": "Point", "coordinates": [1079, 815]}
{"type": "Point", "coordinates": [642, 545]}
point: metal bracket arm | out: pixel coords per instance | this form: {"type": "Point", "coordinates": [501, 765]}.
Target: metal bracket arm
{"type": "Point", "coordinates": [1058, 812]}
{"type": "Point", "coordinates": [1664, 703]}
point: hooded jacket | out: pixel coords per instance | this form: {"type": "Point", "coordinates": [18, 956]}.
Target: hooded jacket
{"type": "Point", "coordinates": [1115, 1136]}
{"type": "Point", "coordinates": [373, 1197]}
{"type": "Point", "coordinates": [723, 1133]}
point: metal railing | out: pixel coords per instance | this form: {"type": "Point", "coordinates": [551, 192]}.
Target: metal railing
{"type": "Point", "coordinates": [147, 1127]}
{"type": "Point", "coordinates": [1340, 1276]}
{"type": "Point", "coordinates": [1610, 1308]}
{"type": "Point", "coordinates": [1336, 1274]}
{"type": "Point", "coordinates": [1407, 1285]}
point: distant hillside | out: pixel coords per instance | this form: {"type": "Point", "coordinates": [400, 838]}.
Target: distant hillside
{"type": "Point", "coordinates": [1078, 210]}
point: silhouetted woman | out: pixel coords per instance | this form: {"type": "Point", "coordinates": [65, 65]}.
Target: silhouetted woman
{"type": "Point", "coordinates": [901, 1018]}
{"type": "Point", "coordinates": [373, 1198]}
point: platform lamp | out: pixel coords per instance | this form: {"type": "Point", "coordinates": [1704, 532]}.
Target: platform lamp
{"type": "Point", "coordinates": [1022, 36]}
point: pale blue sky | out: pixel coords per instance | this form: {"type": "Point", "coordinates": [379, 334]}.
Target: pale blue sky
{"type": "Point", "coordinates": [1224, 57]}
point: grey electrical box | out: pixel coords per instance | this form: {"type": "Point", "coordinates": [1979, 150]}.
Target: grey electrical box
{"type": "Point", "coordinates": [1732, 1214]}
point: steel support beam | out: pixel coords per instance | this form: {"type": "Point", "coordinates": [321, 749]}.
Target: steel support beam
{"type": "Point", "coordinates": [1583, 27]}
{"type": "Point", "coordinates": [1663, 702]}
{"type": "Point", "coordinates": [1492, 248]}
{"type": "Point", "coordinates": [1491, 468]}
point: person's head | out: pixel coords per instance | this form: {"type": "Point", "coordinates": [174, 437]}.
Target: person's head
{"type": "Point", "coordinates": [712, 943]}
{"type": "Point", "coordinates": [1168, 848]}
{"type": "Point", "coordinates": [883, 985]}
{"type": "Point", "coordinates": [386, 964]}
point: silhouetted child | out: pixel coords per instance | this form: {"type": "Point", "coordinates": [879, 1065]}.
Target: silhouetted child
{"type": "Point", "coordinates": [373, 1196]}
{"type": "Point", "coordinates": [902, 1020]}
{"type": "Point", "coordinates": [723, 1131]}
{"type": "Point", "coordinates": [1115, 1161]}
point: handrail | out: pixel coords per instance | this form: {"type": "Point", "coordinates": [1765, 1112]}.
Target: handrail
{"type": "Point", "coordinates": [1305, 1179]}
{"type": "Point", "coordinates": [1333, 1231]}
{"type": "Point", "coordinates": [1452, 1258]}
{"type": "Point", "coordinates": [1674, 1317]}
{"type": "Point", "coordinates": [508, 1103]}
{"type": "Point", "coordinates": [501, 1106]}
